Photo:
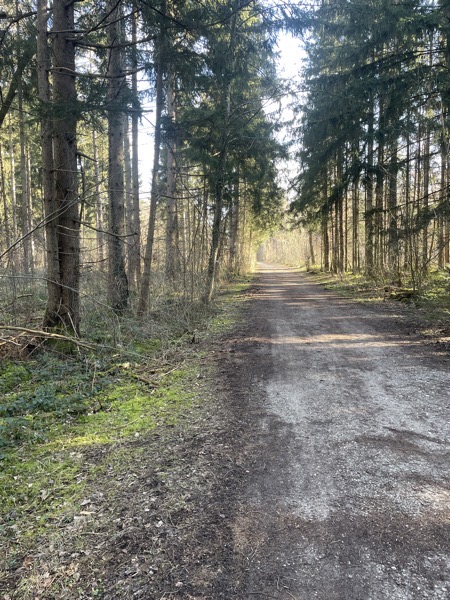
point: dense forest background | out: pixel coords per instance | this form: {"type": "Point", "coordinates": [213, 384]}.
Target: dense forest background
{"type": "Point", "coordinates": [369, 141]}
{"type": "Point", "coordinates": [371, 193]}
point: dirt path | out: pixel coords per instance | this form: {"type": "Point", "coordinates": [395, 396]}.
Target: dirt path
{"type": "Point", "coordinates": [346, 440]}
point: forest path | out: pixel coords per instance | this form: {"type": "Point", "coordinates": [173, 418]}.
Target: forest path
{"type": "Point", "coordinates": [348, 450]}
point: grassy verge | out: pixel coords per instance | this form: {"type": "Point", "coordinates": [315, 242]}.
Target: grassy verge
{"type": "Point", "coordinates": [78, 433]}
{"type": "Point", "coordinates": [354, 286]}
{"type": "Point", "coordinates": [431, 305]}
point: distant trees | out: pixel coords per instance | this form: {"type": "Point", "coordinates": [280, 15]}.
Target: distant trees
{"type": "Point", "coordinates": [374, 136]}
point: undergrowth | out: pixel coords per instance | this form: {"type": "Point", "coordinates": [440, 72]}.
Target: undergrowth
{"type": "Point", "coordinates": [61, 416]}
{"type": "Point", "coordinates": [432, 301]}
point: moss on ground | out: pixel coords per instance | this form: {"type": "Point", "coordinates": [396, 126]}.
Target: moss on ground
{"type": "Point", "coordinates": [68, 422]}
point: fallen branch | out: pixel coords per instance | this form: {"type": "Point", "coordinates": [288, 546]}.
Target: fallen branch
{"type": "Point", "coordinates": [49, 336]}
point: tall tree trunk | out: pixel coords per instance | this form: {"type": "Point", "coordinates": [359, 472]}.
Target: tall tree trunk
{"type": "Point", "coordinates": [379, 189]}
{"type": "Point", "coordinates": [117, 277]}
{"type": "Point", "coordinates": [340, 235]}
{"type": "Point", "coordinates": [12, 168]}
{"type": "Point", "coordinates": [128, 196]}
{"type": "Point", "coordinates": [61, 202]}
{"type": "Point", "coordinates": [6, 223]}
{"type": "Point", "coordinates": [225, 109]}
{"type": "Point", "coordinates": [146, 274]}
{"type": "Point", "coordinates": [355, 228]}
{"type": "Point", "coordinates": [325, 241]}
{"type": "Point", "coordinates": [393, 247]}
{"type": "Point", "coordinates": [29, 211]}
{"type": "Point", "coordinates": [172, 258]}
{"type": "Point", "coordinates": [311, 248]}
{"type": "Point", "coordinates": [425, 200]}
{"type": "Point", "coordinates": [442, 200]}
{"type": "Point", "coordinates": [369, 230]}
{"type": "Point", "coordinates": [234, 227]}
{"type": "Point", "coordinates": [135, 240]}
{"type": "Point", "coordinates": [27, 253]}
{"type": "Point", "coordinates": [99, 225]}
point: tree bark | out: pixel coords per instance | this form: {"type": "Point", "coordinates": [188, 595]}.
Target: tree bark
{"type": "Point", "coordinates": [172, 258]}
{"type": "Point", "coordinates": [98, 203]}
{"type": "Point", "coordinates": [61, 201]}
{"type": "Point", "coordinates": [24, 179]}
{"type": "Point", "coordinates": [225, 110]}
{"type": "Point", "coordinates": [135, 240]}
{"type": "Point", "coordinates": [7, 228]}
{"type": "Point", "coordinates": [117, 278]}
{"type": "Point", "coordinates": [393, 246]}
{"type": "Point", "coordinates": [146, 274]}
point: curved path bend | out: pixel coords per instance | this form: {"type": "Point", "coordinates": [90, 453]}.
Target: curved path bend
{"type": "Point", "coordinates": [348, 450]}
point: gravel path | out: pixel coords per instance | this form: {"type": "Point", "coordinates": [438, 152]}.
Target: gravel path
{"type": "Point", "coordinates": [347, 445]}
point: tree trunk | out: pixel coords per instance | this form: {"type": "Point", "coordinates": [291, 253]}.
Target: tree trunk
{"type": "Point", "coordinates": [355, 228]}
{"type": "Point", "coordinates": [379, 189]}
{"type": "Point", "coordinates": [117, 278]}
{"type": "Point", "coordinates": [98, 204]}
{"type": "Point", "coordinates": [6, 228]}
{"type": "Point", "coordinates": [12, 168]}
{"type": "Point", "coordinates": [442, 199]}
{"type": "Point", "coordinates": [234, 227]}
{"type": "Point", "coordinates": [369, 230]}
{"type": "Point", "coordinates": [326, 240]}
{"type": "Point", "coordinates": [146, 274]}
{"type": "Point", "coordinates": [60, 170]}
{"type": "Point", "coordinates": [172, 258]}
{"type": "Point", "coordinates": [27, 253]}
{"type": "Point", "coordinates": [425, 201]}
{"type": "Point", "coordinates": [225, 105]}
{"type": "Point", "coordinates": [393, 247]}
{"type": "Point", "coordinates": [135, 240]}
{"type": "Point", "coordinates": [128, 197]}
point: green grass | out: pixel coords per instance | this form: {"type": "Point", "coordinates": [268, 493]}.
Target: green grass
{"type": "Point", "coordinates": [432, 302]}
{"type": "Point", "coordinates": [352, 285]}
{"type": "Point", "coordinates": [46, 477]}
{"type": "Point", "coordinates": [229, 304]}
{"type": "Point", "coordinates": [66, 421]}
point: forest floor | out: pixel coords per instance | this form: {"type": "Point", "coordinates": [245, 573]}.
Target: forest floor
{"type": "Point", "coordinates": [309, 460]}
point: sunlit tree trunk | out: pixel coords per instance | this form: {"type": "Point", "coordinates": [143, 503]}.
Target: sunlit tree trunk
{"type": "Point", "coordinates": [442, 199]}
{"type": "Point", "coordinates": [135, 240]}
{"type": "Point", "coordinates": [117, 278]}
{"type": "Point", "coordinates": [6, 220]}
{"type": "Point", "coordinates": [128, 197]}
{"type": "Point", "coordinates": [393, 248]}
{"type": "Point", "coordinates": [24, 180]}
{"type": "Point", "coordinates": [220, 170]}
{"type": "Point", "coordinates": [12, 170]}
{"type": "Point", "coordinates": [146, 274]}
{"type": "Point", "coordinates": [172, 255]}
{"type": "Point", "coordinates": [234, 226]}
{"type": "Point", "coordinates": [99, 225]}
